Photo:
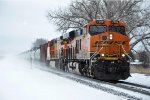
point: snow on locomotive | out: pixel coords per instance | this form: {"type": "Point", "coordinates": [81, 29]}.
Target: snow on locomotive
{"type": "Point", "coordinates": [99, 49]}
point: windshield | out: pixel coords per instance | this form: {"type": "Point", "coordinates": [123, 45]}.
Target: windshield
{"type": "Point", "coordinates": [94, 30]}
{"type": "Point", "coordinates": [118, 29]}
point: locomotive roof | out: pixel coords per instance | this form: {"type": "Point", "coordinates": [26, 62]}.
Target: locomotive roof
{"type": "Point", "coordinates": [106, 22]}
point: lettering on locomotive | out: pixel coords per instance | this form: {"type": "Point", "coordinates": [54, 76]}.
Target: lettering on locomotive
{"type": "Point", "coordinates": [109, 43]}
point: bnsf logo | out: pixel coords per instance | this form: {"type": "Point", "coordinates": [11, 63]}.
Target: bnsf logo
{"type": "Point", "coordinates": [110, 42]}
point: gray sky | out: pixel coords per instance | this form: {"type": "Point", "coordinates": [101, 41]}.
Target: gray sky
{"type": "Point", "coordinates": [23, 21]}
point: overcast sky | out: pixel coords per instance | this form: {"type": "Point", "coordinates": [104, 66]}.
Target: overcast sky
{"type": "Point", "coordinates": [23, 21]}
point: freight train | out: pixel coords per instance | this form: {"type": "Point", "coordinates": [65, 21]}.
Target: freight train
{"type": "Point", "coordinates": [99, 49]}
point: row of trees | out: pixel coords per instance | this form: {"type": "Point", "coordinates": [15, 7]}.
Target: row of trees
{"type": "Point", "coordinates": [38, 42]}
{"type": "Point", "coordinates": [145, 58]}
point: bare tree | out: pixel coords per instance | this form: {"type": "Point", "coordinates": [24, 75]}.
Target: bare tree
{"type": "Point", "coordinates": [131, 12]}
{"type": "Point", "coordinates": [145, 58]}
{"type": "Point", "coordinates": [38, 42]}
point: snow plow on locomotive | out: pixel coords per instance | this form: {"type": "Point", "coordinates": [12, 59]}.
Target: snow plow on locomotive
{"type": "Point", "coordinates": [99, 49]}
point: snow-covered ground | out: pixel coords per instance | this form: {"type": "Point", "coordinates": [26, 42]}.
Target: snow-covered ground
{"type": "Point", "coordinates": [139, 79]}
{"type": "Point", "coordinates": [19, 82]}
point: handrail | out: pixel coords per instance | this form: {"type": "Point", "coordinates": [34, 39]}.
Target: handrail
{"type": "Point", "coordinates": [126, 53]}
{"type": "Point", "coordinates": [96, 52]}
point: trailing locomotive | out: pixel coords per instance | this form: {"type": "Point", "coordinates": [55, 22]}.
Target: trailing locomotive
{"type": "Point", "coordinates": [99, 49]}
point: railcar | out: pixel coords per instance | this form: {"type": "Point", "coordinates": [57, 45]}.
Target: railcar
{"type": "Point", "coordinates": [99, 49]}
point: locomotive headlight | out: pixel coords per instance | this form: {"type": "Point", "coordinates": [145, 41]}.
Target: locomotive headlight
{"type": "Point", "coordinates": [111, 36]}
{"type": "Point", "coordinates": [103, 55]}
{"type": "Point", "coordinates": [123, 55]}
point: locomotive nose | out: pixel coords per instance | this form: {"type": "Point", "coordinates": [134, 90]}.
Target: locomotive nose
{"type": "Point", "coordinates": [110, 45]}
{"type": "Point", "coordinates": [114, 46]}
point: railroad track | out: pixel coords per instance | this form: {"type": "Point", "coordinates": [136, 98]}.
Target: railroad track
{"type": "Point", "coordinates": [135, 87]}
{"type": "Point", "coordinates": [142, 89]}
{"type": "Point", "coordinates": [100, 85]}
{"type": "Point", "coordinates": [134, 84]}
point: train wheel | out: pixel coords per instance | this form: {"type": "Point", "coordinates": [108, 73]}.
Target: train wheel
{"type": "Point", "coordinates": [65, 67]}
{"type": "Point", "coordinates": [57, 64]}
{"type": "Point", "coordinates": [81, 68]}
{"type": "Point", "coordinates": [60, 64]}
